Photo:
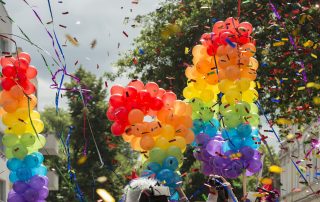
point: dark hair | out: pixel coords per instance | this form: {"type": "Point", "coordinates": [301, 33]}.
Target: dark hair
{"type": "Point", "coordinates": [222, 196]}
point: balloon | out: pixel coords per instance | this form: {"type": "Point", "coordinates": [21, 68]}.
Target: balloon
{"type": "Point", "coordinates": [155, 167]}
{"type": "Point", "coordinates": [165, 175]}
{"type": "Point", "coordinates": [168, 99]}
{"type": "Point", "coordinates": [202, 138]}
{"type": "Point", "coordinates": [136, 84]}
{"type": "Point", "coordinates": [174, 151]}
{"type": "Point", "coordinates": [117, 100]}
{"type": "Point", "coordinates": [14, 164]}
{"type": "Point", "coordinates": [24, 174]}
{"type": "Point", "coordinates": [170, 163]}
{"type": "Point", "coordinates": [15, 197]}
{"type": "Point", "coordinates": [9, 140]}
{"type": "Point", "coordinates": [37, 182]}
{"type": "Point", "coordinates": [117, 89]}
{"type": "Point", "coordinates": [244, 130]}
{"type": "Point", "coordinates": [28, 139]}
{"type": "Point", "coordinates": [117, 128]}
{"type": "Point", "coordinates": [31, 161]}
{"type": "Point", "coordinates": [214, 147]}
{"type": "Point", "coordinates": [31, 195]}
{"type": "Point", "coordinates": [157, 155]}
{"type": "Point", "coordinates": [254, 165]}
{"type": "Point", "coordinates": [152, 88]}
{"type": "Point", "coordinates": [43, 193]}
{"type": "Point", "coordinates": [135, 116]}
{"type": "Point", "coordinates": [247, 153]}
{"type": "Point", "coordinates": [156, 103]}
{"type": "Point", "coordinates": [147, 142]}
{"type": "Point", "coordinates": [162, 143]}
{"type": "Point", "coordinates": [20, 187]}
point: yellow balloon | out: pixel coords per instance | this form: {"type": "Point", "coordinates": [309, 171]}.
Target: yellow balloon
{"type": "Point", "coordinates": [179, 142]}
{"type": "Point", "coordinates": [233, 96]}
{"type": "Point", "coordinates": [250, 95]}
{"type": "Point", "coordinates": [167, 132]}
{"type": "Point", "coordinates": [224, 85]}
{"type": "Point", "coordinates": [243, 84]}
{"type": "Point", "coordinates": [200, 84]}
{"type": "Point", "coordinates": [162, 143]}
{"type": "Point", "coordinates": [207, 95]}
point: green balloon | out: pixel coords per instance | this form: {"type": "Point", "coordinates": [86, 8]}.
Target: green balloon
{"type": "Point", "coordinates": [232, 119]}
{"type": "Point", "coordinates": [195, 115]}
{"type": "Point", "coordinates": [157, 155]}
{"type": "Point", "coordinates": [40, 142]}
{"type": "Point", "coordinates": [224, 108]}
{"type": "Point", "coordinates": [9, 140]}
{"type": "Point", "coordinates": [196, 104]}
{"type": "Point", "coordinates": [207, 114]}
{"type": "Point", "coordinates": [174, 151]}
{"type": "Point", "coordinates": [243, 108]}
{"type": "Point", "coordinates": [28, 139]}
{"type": "Point", "coordinates": [19, 151]}
{"type": "Point", "coordinates": [8, 153]}
{"type": "Point", "coordinates": [254, 119]}
{"type": "Point", "coordinates": [254, 108]}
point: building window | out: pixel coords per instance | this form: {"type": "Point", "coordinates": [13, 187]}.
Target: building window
{"type": "Point", "coordinates": [3, 46]}
{"type": "Point", "coordinates": [2, 191]}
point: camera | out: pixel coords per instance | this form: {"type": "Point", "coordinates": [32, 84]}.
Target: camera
{"type": "Point", "coordinates": [155, 194]}
{"type": "Point", "coordinates": [216, 182]}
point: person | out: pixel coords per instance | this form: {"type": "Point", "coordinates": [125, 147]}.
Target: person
{"type": "Point", "coordinates": [139, 190]}
{"type": "Point", "coordinates": [220, 190]}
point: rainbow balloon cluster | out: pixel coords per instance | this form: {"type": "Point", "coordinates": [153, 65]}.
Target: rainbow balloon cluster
{"type": "Point", "coordinates": [224, 67]}
{"type": "Point", "coordinates": [155, 123]}
{"type": "Point", "coordinates": [23, 125]}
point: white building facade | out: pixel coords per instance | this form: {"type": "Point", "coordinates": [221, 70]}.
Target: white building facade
{"type": "Point", "coordinates": [293, 189]}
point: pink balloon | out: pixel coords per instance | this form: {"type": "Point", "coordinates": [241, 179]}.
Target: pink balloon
{"type": "Point", "coordinates": [152, 88]}
{"type": "Point", "coordinates": [137, 84]}
{"type": "Point", "coordinates": [31, 72]}
{"type": "Point", "coordinates": [7, 61]}
{"type": "Point", "coordinates": [218, 26]}
{"type": "Point", "coordinates": [117, 89]}
{"type": "Point", "coordinates": [168, 99]}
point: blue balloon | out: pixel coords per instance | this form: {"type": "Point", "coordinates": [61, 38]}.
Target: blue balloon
{"type": "Point", "coordinates": [225, 147]}
{"type": "Point", "coordinates": [165, 175]}
{"type": "Point", "coordinates": [254, 144]}
{"type": "Point", "coordinates": [211, 130]}
{"type": "Point", "coordinates": [197, 126]}
{"type": "Point", "coordinates": [24, 174]}
{"type": "Point", "coordinates": [155, 167]}
{"type": "Point", "coordinates": [31, 161]}
{"type": "Point", "coordinates": [230, 133]}
{"type": "Point", "coordinates": [13, 177]}
{"type": "Point", "coordinates": [174, 195]}
{"type": "Point", "coordinates": [235, 143]}
{"type": "Point", "coordinates": [41, 170]}
{"type": "Point", "coordinates": [170, 163]}
{"type": "Point", "coordinates": [39, 156]}
{"type": "Point", "coordinates": [215, 122]}
{"type": "Point", "coordinates": [244, 130]}
{"type": "Point", "coordinates": [147, 173]}
{"type": "Point", "coordinates": [14, 164]}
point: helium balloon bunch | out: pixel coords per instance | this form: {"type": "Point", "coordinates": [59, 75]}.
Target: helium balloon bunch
{"type": "Point", "coordinates": [155, 123]}
{"type": "Point", "coordinates": [225, 60]}
{"type": "Point", "coordinates": [23, 125]}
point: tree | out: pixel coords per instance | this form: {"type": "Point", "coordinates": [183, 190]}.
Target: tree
{"type": "Point", "coordinates": [89, 121]}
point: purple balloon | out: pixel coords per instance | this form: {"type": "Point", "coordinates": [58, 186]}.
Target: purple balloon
{"type": "Point", "coordinates": [206, 169]}
{"type": "Point", "coordinates": [14, 197]}
{"type": "Point", "coordinates": [218, 137]}
{"type": "Point", "coordinates": [202, 138]}
{"type": "Point", "coordinates": [247, 153]}
{"type": "Point", "coordinates": [214, 147]}
{"type": "Point", "coordinates": [257, 154]}
{"type": "Point", "coordinates": [205, 155]}
{"type": "Point", "coordinates": [31, 195]}
{"type": "Point", "coordinates": [46, 180]}
{"type": "Point", "coordinates": [43, 193]}
{"type": "Point", "coordinates": [236, 165]}
{"type": "Point", "coordinates": [232, 174]}
{"type": "Point", "coordinates": [37, 182]}
{"type": "Point", "coordinates": [20, 187]}
{"type": "Point", "coordinates": [248, 173]}
{"type": "Point", "coordinates": [197, 155]}
{"type": "Point", "coordinates": [254, 165]}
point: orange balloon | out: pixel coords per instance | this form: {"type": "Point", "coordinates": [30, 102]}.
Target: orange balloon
{"type": "Point", "coordinates": [168, 99]}
{"type": "Point", "coordinates": [212, 77]}
{"type": "Point", "coordinates": [147, 142]}
{"type": "Point", "coordinates": [187, 121]}
{"type": "Point", "coordinates": [4, 97]}
{"type": "Point", "coordinates": [138, 129]}
{"type": "Point", "coordinates": [203, 66]}
{"type": "Point", "coordinates": [23, 103]}
{"type": "Point", "coordinates": [188, 111]}
{"type": "Point", "coordinates": [192, 73]}
{"type": "Point", "coordinates": [223, 61]}
{"type": "Point", "coordinates": [10, 105]}
{"type": "Point", "coordinates": [135, 143]}
{"type": "Point", "coordinates": [232, 72]}
{"type": "Point", "coordinates": [126, 137]}
{"type": "Point", "coordinates": [163, 114]}
{"type": "Point", "coordinates": [152, 88]}
{"type": "Point", "coordinates": [189, 137]}
{"type": "Point", "coordinates": [248, 73]}
{"type": "Point", "coordinates": [179, 107]}
{"type": "Point", "coordinates": [167, 132]}
{"type": "Point", "coordinates": [222, 50]}
{"type": "Point", "coordinates": [248, 49]}
{"type": "Point", "coordinates": [181, 130]}
{"type": "Point", "coordinates": [154, 128]}
{"type": "Point", "coordinates": [135, 116]}
{"type": "Point", "coordinates": [222, 74]}
{"type": "Point", "coordinates": [16, 92]}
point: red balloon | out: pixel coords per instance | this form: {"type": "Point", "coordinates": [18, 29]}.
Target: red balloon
{"type": "Point", "coordinates": [117, 128]}
{"type": "Point", "coordinates": [117, 100]}
{"type": "Point", "coordinates": [21, 64]}
{"type": "Point", "coordinates": [110, 113]}
{"type": "Point", "coordinates": [168, 99]}
{"type": "Point", "coordinates": [28, 87]}
{"type": "Point", "coordinates": [31, 72]}
{"type": "Point", "coordinates": [156, 104]}
{"type": "Point", "coordinates": [131, 92]}
{"type": "Point", "coordinates": [7, 83]}
{"type": "Point", "coordinates": [137, 84]}
{"type": "Point", "coordinates": [144, 96]}
{"type": "Point", "coordinates": [21, 76]}
{"type": "Point", "coordinates": [121, 114]}
{"type": "Point", "coordinates": [161, 91]}
{"type": "Point", "coordinates": [9, 71]}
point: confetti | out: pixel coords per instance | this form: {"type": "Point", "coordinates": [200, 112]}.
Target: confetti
{"type": "Point", "coordinates": [280, 43]}
{"type": "Point", "coordinates": [63, 26]}
{"type": "Point", "coordinates": [93, 44]}
{"type": "Point", "coordinates": [314, 56]}
{"type": "Point", "coordinates": [275, 169]}
{"type": "Point", "coordinates": [82, 160]}
{"type": "Point", "coordinates": [106, 197]}
{"type": "Point", "coordinates": [72, 40]}
{"type": "Point", "coordinates": [186, 50]}
{"type": "Point", "coordinates": [125, 33]}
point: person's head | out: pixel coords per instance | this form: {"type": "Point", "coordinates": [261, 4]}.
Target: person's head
{"type": "Point", "coordinates": [136, 187]}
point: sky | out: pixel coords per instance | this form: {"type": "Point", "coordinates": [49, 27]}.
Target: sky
{"type": "Point", "coordinates": [100, 20]}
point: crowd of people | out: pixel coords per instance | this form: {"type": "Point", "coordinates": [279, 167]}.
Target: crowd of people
{"type": "Point", "coordinates": [150, 190]}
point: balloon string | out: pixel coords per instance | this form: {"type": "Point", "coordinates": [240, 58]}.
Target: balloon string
{"type": "Point", "coordinates": [239, 8]}
{"type": "Point", "coordinates": [84, 133]}
{"type": "Point", "coordinates": [279, 140]}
